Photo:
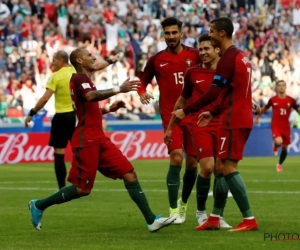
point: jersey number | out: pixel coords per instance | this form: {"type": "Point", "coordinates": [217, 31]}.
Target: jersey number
{"type": "Point", "coordinates": [223, 139]}
{"type": "Point", "coordinates": [282, 111]}
{"type": "Point", "coordinates": [249, 71]}
{"type": "Point", "coordinates": [179, 79]}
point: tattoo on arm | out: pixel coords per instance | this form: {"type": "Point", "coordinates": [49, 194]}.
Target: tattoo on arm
{"type": "Point", "coordinates": [99, 95]}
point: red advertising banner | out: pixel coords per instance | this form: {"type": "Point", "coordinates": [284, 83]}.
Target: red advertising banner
{"type": "Point", "coordinates": [33, 147]}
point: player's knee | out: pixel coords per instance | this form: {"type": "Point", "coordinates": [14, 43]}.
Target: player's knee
{"type": "Point", "coordinates": [191, 163]}
{"type": "Point", "coordinates": [278, 142]}
{"type": "Point", "coordinates": [129, 177]}
{"type": "Point", "coordinates": [206, 168]}
{"type": "Point", "coordinates": [206, 172]}
{"type": "Point", "coordinates": [176, 158]}
{"type": "Point", "coordinates": [82, 192]}
{"type": "Point", "coordinates": [229, 167]}
{"type": "Point", "coordinates": [284, 148]}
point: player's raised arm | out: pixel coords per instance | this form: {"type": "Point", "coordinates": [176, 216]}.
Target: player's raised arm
{"type": "Point", "coordinates": [146, 77]}
{"type": "Point", "coordinates": [101, 64]}
{"type": "Point", "coordinates": [99, 95]}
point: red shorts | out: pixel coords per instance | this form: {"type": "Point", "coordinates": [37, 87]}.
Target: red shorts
{"type": "Point", "coordinates": [104, 157]}
{"type": "Point", "coordinates": [181, 138]}
{"type": "Point", "coordinates": [285, 134]}
{"type": "Point", "coordinates": [205, 141]}
{"type": "Point", "coordinates": [231, 143]}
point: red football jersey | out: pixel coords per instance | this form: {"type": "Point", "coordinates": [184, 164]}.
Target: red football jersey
{"type": "Point", "coordinates": [88, 129]}
{"type": "Point", "coordinates": [281, 110]}
{"type": "Point", "coordinates": [197, 81]}
{"type": "Point", "coordinates": [234, 71]}
{"type": "Point", "coordinates": [169, 70]}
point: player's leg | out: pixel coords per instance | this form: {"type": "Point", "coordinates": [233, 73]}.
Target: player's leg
{"type": "Point", "coordinates": [286, 140]}
{"type": "Point", "coordinates": [231, 147]}
{"type": "Point", "coordinates": [189, 179]}
{"type": "Point", "coordinates": [278, 140]}
{"type": "Point", "coordinates": [114, 164]}
{"type": "Point", "coordinates": [190, 174]}
{"type": "Point", "coordinates": [175, 150]}
{"type": "Point", "coordinates": [82, 175]}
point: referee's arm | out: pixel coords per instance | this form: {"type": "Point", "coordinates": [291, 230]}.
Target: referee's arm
{"type": "Point", "coordinates": [40, 104]}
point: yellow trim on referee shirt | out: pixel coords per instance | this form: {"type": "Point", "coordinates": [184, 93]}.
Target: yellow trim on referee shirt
{"type": "Point", "coordinates": [59, 83]}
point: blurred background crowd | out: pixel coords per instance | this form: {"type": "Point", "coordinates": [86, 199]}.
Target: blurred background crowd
{"type": "Point", "coordinates": [31, 31]}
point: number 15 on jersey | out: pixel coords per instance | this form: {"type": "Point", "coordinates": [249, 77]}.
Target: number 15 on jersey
{"type": "Point", "coordinates": [178, 77]}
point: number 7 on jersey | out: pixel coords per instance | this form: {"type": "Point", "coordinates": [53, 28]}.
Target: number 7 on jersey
{"type": "Point", "coordinates": [249, 71]}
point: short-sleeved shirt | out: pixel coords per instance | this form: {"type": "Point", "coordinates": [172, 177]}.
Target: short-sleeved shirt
{"type": "Point", "coordinates": [197, 81]}
{"type": "Point", "coordinates": [169, 70]}
{"type": "Point", "coordinates": [234, 73]}
{"type": "Point", "coordinates": [59, 83]}
{"type": "Point", "coordinates": [88, 130]}
{"type": "Point", "coordinates": [281, 109]}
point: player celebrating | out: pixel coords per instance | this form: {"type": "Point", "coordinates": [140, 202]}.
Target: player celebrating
{"type": "Point", "coordinates": [168, 67]}
{"type": "Point", "coordinates": [197, 81]}
{"type": "Point", "coordinates": [282, 105]}
{"type": "Point", "coordinates": [233, 82]}
{"type": "Point", "coordinates": [93, 151]}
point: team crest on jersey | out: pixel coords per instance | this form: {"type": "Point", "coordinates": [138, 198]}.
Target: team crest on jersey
{"type": "Point", "coordinates": [188, 62]}
{"type": "Point", "coordinates": [288, 104]}
{"type": "Point", "coordinates": [245, 60]}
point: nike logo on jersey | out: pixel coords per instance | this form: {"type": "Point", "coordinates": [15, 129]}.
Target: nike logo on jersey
{"type": "Point", "coordinates": [222, 152]}
{"type": "Point", "coordinates": [198, 81]}
{"type": "Point", "coordinates": [162, 65]}
{"type": "Point", "coordinates": [275, 104]}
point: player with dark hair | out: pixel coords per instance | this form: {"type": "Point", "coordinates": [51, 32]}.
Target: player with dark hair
{"type": "Point", "coordinates": [233, 82]}
{"type": "Point", "coordinates": [197, 81]}
{"type": "Point", "coordinates": [282, 105]}
{"type": "Point", "coordinates": [92, 150]}
{"type": "Point", "coordinates": [168, 67]}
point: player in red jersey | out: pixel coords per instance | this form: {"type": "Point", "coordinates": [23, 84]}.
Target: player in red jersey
{"type": "Point", "coordinates": [233, 82]}
{"type": "Point", "coordinates": [197, 81]}
{"type": "Point", "coordinates": [168, 67]}
{"type": "Point", "coordinates": [92, 150]}
{"type": "Point", "coordinates": [282, 106]}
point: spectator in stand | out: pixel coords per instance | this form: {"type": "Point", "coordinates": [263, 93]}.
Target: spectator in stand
{"type": "Point", "coordinates": [32, 31]}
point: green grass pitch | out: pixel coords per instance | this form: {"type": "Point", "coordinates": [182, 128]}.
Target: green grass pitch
{"type": "Point", "coordinates": [108, 220]}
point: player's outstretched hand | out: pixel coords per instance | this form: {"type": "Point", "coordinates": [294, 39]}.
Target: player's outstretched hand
{"type": "Point", "coordinates": [128, 86]}
{"type": "Point", "coordinates": [167, 137]}
{"type": "Point", "coordinates": [204, 119]}
{"type": "Point", "coordinates": [117, 105]}
{"type": "Point", "coordinates": [145, 98]}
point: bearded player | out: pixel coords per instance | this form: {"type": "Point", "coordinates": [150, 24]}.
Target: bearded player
{"type": "Point", "coordinates": [92, 150]}
{"type": "Point", "coordinates": [282, 106]}
{"type": "Point", "coordinates": [233, 82]}
{"type": "Point", "coordinates": [168, 67]}
{"type": "Point", "coordinates": [197, 81]}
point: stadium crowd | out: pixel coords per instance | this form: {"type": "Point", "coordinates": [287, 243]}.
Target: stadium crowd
{"type": "Point", "coordinates": [32, 31]}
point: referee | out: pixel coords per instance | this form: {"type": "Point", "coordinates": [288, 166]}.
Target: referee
{"type": "Point", "coordinates": [63, 122]}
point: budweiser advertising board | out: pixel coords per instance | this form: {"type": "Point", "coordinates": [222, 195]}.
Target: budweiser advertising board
{"type": "Point", "coordinates": [33, 147]}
